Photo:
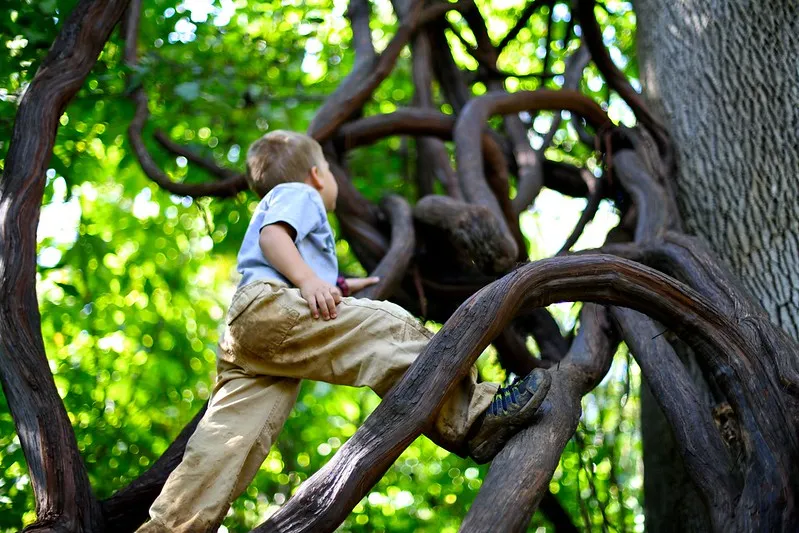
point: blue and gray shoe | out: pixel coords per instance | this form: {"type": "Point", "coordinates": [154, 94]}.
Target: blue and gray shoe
{"type": "Point", "coordinates": [511, 410]}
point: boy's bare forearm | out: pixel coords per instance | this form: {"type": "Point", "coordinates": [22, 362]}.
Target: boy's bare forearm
{"type": "Point", "coordinates": [277, 245]}
{"type": "Point", "coordinates": [279, 249]}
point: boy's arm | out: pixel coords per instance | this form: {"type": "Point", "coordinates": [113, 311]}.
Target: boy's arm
{"type": "Point", "coordinates": [277, 245]}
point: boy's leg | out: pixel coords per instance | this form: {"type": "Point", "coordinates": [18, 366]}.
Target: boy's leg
{"type": "Point", "coordinates": [245, 414]}
{"type": "Point", "coordinates": [370, 343]}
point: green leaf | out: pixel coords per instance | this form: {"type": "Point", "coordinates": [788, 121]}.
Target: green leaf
{"type": "Point", "coordinates": [69, 289]}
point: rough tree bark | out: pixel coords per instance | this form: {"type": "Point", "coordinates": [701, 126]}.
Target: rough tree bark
{"type": "Point", "coordinates": [64, 498]}
{"type": "Point", "coordinates": [723, 77]}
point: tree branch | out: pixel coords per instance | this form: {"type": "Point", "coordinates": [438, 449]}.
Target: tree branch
{"type": "Point", "coordinates": [429, 122]}
{"type": "Point", "coordinates": [394, 264]}
{"type": "Point", "coordinates": [519, 475]}
{"type": "Point", "coordinates": [524, 18]}
{"type": "Point", "coordinates": [700, 444]}
{"type": "Point", "coordinates": [474, 116]}
{"type": "Point", "coordinates": [328, 496]}
{"type": "Point", "coordinates": [232, 183]}
{"type": "Point", "coordinates": [64, 499]}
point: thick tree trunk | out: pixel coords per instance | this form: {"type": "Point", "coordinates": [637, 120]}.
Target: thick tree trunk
{"type": "Point", "coordinates": [722, 77]}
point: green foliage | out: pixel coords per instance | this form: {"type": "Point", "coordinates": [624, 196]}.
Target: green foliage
{"type": "Point", "coordinates": [133, 282]}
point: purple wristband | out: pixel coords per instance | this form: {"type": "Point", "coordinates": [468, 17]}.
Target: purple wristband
{"type": "Point", "coordinates": [341, 283]}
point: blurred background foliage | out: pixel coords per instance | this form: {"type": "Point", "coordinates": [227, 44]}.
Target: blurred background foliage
{"type": "Point", "coordinates": [133, 282]}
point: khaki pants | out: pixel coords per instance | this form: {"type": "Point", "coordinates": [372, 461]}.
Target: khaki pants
{"type": "Point", "coordinates": [272, 342]}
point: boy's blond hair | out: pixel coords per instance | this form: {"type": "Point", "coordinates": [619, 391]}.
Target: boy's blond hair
{"type": "Point", "coordinates": [281, 156]}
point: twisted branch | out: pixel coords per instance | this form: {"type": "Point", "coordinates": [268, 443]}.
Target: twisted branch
{"type": "Point", "coordinates": [231, 183]}
{"type": "Point", "coordinates": [64, 499]}
{"type": "Point", "coordinates": [328, 496]}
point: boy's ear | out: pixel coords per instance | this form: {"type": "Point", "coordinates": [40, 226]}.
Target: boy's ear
{"type": "Point", "coordinates": [316, 179]}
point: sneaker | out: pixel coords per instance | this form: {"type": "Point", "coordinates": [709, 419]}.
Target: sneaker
{"type": "Point", "coordinates": [511, 410]}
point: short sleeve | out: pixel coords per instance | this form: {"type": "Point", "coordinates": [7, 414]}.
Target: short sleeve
{"type": "Point", "coordinates": [293, 206]}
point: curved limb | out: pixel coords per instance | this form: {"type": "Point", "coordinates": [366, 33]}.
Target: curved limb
{"type": "Point", "coordinates": [519, 475]}
{"type": "Point", "coordinates": [64, 499]}
{"type": "Point", "coordinates": [464, 236]}
{"type": "Point", "coordinates": [700, 443]}
{"type": "Point", "coordinates": [468, 145]}
{"type": "Point", "coordinates": [769, 360]}
{"type": "Point", "coordinates": [395, 262]}
{"type": "Point", "coordinates": [329, 495]}
{"type": "Point", "coordinates": [505, 245]}
{"type": "Point", "coordinates": [232, 183]}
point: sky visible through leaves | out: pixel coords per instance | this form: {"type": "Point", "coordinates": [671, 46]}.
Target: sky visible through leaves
{"type": "Point", "coordinates": [133, 282]}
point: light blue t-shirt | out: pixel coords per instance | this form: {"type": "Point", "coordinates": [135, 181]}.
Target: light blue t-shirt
{"type": "Point", "coordinates": [301, 207]}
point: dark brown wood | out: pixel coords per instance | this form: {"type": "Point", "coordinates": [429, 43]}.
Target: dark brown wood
{"type": "Point", "coordinates": [64, 499]}
{"type": "Point", "coordinates": [328, 496]}
{"type": "Point", "coordinates": [702, 447]}
{"type": "Point", "coordinates": [742, 464]}
{"type": "Point", "coordinates": [394, 265]}
{"type": "Point", "coordinates": [519, 476]}
{"type": "Point", "coordinates": [460, 236]}
{"type": "Point", "coordinates": [740, 492]}
{"type": "Point", "coordinates": [468, 144]}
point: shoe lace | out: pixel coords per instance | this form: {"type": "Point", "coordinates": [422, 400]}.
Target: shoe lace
{"type": "Point", "coordinates": [505, 397]}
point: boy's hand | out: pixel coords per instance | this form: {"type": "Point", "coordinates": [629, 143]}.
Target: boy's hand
{"type": "Point", "coordinates": [356, 284]}
{"type": "Point", "coordinates": [322, 297]}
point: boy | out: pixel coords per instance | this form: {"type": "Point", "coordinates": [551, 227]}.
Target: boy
{"type": "Point", "coordinates": [288, 321]}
